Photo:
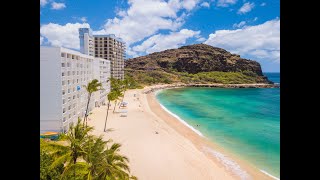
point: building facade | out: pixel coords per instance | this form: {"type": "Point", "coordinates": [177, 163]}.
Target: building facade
{"type": "Point", "coordinates": [107, 47]}
{"type": "Point", "coordinates": [86, 41]}
{"type": "Point", "coordinates": [63, 75]}
{"type": "Point", "coordinates": [101, 72]}
{"type": "Point", "coordinates": [114, 49]}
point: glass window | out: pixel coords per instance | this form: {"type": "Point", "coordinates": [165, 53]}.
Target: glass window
{"type": "Point", "coordinates": [68, 82]}
{"type": "Point", "coordinates": [68, 90]}
{"type": "Point", "coordinates": [63, 110]}
{"type": "Point", "coordinates": [69, 107]}
{"type": "Point", "coordinates": [63, 74]}
{"type": "Point", "coordinates": [64, 119]}
{"type": "Point", "coordinates": [74, 97]}
{"type": "Point", "coordinates": [63, 92]}
{"type": "Point", "coordinates": [62, 55]}
{"type": "Point", "coordinates": [63, 101]}
{"type": "Point", "coordinates": [63, 83]}
{"type": "Point", "coordinates": [68, 65]}
{"type": "Point", "coordinates": [62, 64]}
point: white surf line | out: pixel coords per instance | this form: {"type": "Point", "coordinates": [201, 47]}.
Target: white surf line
{"type": "Point", "coordinates": [265, 172]}
{"type": "Point", "coordinates": [229, 164]}
{"type": "Point", "coordinates": [181, 120]}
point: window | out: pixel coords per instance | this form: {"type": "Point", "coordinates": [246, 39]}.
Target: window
{"type": "Point", "coordinates": [62, 65]}
{"type": "Point", "coordinates": [64, 119]}
{"type": "Point", "coordinates": [68, 82]}
{"type": "Point", "coordinates": [63, 74]}
{"type": "Point", "coordinates": [69, 107]}
{"type": "Point", "coordinates": [77, 72]}
{"type": "Point", "coordinates": [69, 99]}
{"type": "Point", "coordinates": [63, 110]}
{"type": "Point", "coordinates": [68, 73]}
{"type": "Point", "coordinates": [63, 92]}
{"type": "Point", "coordinates": [63, 101]}
{"type": "Point", "coordinates": [68, 55]}
{"type": "Point", "coordinates": [63, 83]}
{"type": "Point", "coordinates": [73, 72]}
{"type": "Point", "coordinates": [68, 65]}
{"type": "Point", "coordinates": [62, 55]}
{"type": "Point", "coordinates": [73, 81]}
{"type": "Point", "coordinates": [74, 89]}
{"type": "Point", "coordinates": [74, 96]}
{"type": "Point", "coordinates": [77, 80]}
{"type": "Point", "coordinates": [68, 90]}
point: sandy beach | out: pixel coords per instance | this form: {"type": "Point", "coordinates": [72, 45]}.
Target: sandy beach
{"type": "Point", "coordinates": [160, 147]}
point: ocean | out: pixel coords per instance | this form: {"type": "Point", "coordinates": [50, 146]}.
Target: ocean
{"type": "Point", "coordinates": [246, 122]}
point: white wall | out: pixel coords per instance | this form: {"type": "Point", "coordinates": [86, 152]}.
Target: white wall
{"type": "Point", "coordinates": [50, 89]}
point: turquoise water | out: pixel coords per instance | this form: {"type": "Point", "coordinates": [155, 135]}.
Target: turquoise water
{"type": "Point", "coordinates": [244, 121]}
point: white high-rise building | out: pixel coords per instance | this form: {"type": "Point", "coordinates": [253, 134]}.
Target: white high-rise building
{"type": "Point", "coordinates": [86, 41]}
{"type": "Point", "coordinates": [63, 74]}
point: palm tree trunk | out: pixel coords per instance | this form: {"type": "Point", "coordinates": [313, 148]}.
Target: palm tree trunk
{"type": "Point", "coordinates": [105, 124]}
{"type": "Point", "coordinates": [85, 117]}
{"type": "Point", "coordinates": [115, 104]}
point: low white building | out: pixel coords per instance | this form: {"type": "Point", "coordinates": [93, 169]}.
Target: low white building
{"type": "Point", "coordinates": [101, 72]}
{"type": "Point", "coordinates": [63, 98]}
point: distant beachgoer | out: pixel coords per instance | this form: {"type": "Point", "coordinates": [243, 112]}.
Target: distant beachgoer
{"type": "Point", "coordinates": [157, 132]}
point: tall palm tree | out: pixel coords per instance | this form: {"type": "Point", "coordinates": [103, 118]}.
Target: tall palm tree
{"type": "Point", "coordinates": [73, 149]}
{"type": "Point", "coordinates": [92, 87]}
{"type": "Point", "coordinates": [111, 97]}
{"type": "Point", "coordinates": [116, 89]}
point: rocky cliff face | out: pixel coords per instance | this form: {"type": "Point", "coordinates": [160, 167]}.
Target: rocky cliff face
{"type": "Point", "coordinates": [194, 59]}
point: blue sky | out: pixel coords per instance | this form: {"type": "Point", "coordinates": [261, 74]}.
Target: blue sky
{"type": "Point", "coordinates": [249, 28]}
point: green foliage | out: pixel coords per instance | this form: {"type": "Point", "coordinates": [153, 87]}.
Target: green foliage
{"type": "Point", "coordinates": [46, 160]}
{"type": "Point", "coordinates": [93, 86]}
{"type": "Point", "coordinates": [159, 77]}
{"type": "Point", "coordinates": [60, 160]}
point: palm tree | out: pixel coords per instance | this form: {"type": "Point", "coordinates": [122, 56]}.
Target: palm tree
{"type": "Point", "coordinates": [92, 87]}
{"type": "Point", "coordinates": [76, 137]}
{"type": "Point", "coordinates": [111, 97]}
{"type": "Point", "coordinates": [115, 165]}
{"type": "Point", "coordinates": [125, 86]}
{"type": "Point", "coordinates": [116, 89]}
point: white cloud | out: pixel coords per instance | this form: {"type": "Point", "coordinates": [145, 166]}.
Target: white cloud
{"type": "Point", "coordinates": [263, 4]}
{"type": "Point", "coordinates": [261, 41]}
{"type": "Point", "coordinates": [247, 7]}
{"type": "Point", "coordinates": [201, 39]}
{"type": "Point", "coordinates": [255, 19]}
{"type": "Point", "coordinates": [205, 4]}
{"type": "Point", "coordinates": [145, 18]}
{"type": "Point", "coordinates": [62, 35]}
{"type": "Point", "coordinates": [226, 3]}
{"type": "Point", "coordinates": [41, 40]}
{"type": "Point", "coordinates": [57, 6]}
{"type": "Point", "coordinates": [83, 19]}
{"type": "Point", "coordinates": [239, 25]}
{"type": "Point", "coordinates": [43, 2]}
{"type": "Point", "coordinates": [161, 42]}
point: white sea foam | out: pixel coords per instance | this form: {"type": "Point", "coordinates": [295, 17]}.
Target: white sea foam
{"type": "Point", "coordinates": [229, 164]}
{"type": "Point", "coordinates": [269, 174]}
{"type": "Point", "coordinates": [181, 120]}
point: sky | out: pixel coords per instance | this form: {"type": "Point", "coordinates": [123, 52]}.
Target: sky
{"type": "Point", "coordinates": [250, 28]}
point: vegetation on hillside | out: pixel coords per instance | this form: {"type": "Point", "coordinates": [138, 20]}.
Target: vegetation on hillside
{"type": "Point", "coordinates": [144, 78]}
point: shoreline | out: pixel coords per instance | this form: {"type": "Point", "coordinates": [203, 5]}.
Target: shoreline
{"type": "Point", "coordinates": [161, 147]}
{"type": "Point", "coordinates": [152, 88]}
{"type": "Point", "coordinates": [238, 166]}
